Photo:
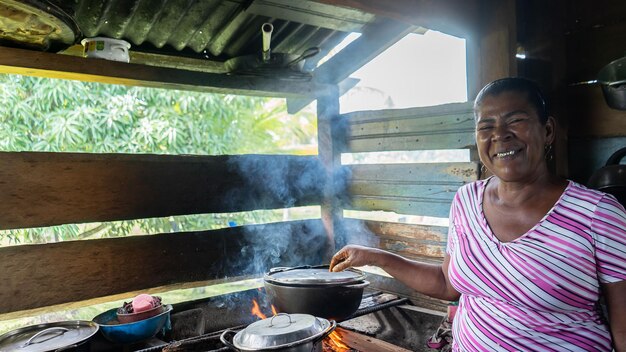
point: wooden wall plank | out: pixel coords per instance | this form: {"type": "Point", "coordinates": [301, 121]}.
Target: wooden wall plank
{"type": "Point", "coordinates": [412, 141]}
{"type": "Point", "coordinates": [42, 64]}
{"type": "Point", "coordinates": [412, 189]}
{"type": "Point", "coordinates": [409, 113]}
{"type": "Point", "coordinates": [449, 126]}
{"type": "Point", "coordinates": [452, 174]}
{"type": "Point", "coordinates": [43, 189]}
{"type": "Point", "coordinates": [390, 189]}
{"type": "Point", "coordinates": [35, 276]}
{"type": "Point", "coordinates": [436, 207]}
{"type": "Point", "coordinates": [418, 242]}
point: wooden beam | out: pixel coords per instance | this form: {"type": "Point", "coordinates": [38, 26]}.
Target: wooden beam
{"type": "Point", "coordinates": [296, 104]}
{"type": "Point", "coordinates": [330, 143]}
{"type": "Point", "coordinates": [360, 342]}
{"type": "Point", "coordinates": [491, 46]}
{"type": "Point", "coordinates": [36, 276]}
{"type": "Point", "coordinates": [456, 17]}
{"type": "Point", "coordinates": [312, 13]}
{"type": "Point", "coordinates": [44, 189]}
{"type": "Point", "coordinates": [42, 64]}
{"type": "Point", "coordinates": [375, 39]}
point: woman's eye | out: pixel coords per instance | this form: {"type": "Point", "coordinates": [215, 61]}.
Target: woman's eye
{"type": "Point", "coordinates": [484, 128]}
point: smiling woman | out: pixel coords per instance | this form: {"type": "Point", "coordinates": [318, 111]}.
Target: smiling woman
{"type": "Point", "coordinates": [529, 254]}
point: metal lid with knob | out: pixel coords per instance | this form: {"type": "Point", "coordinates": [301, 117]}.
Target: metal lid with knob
{"type": "Point", "coordinates": [282, 331]}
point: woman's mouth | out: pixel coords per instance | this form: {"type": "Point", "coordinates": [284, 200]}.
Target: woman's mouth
{"type": "Point", "coordinates": [507, 153]}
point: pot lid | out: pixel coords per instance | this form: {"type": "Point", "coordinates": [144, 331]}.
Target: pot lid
{"type": "Point", "coordinates": [48, 336]}
{"type": "Point", "coordinates": [281, 331]}
{"type": "Point", "coordinates": [313, 276]}
{"type": "Point", "coordinates": [39, 24]}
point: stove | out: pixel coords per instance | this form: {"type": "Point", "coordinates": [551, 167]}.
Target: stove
{"type": "Point", "coordinates": [383, 322]}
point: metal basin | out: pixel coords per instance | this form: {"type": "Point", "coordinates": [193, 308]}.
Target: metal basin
{"type": "Point", "coordinates": [117, 332]}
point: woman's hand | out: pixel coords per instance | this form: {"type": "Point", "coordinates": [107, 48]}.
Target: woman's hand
{"type": "Point", "coordinates": [351, 256]}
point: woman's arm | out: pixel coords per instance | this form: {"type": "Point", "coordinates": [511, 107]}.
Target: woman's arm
{"type": "Point", "coordinates": [615, 295]}
{"type": "Point", "coordinates": [429, 279]}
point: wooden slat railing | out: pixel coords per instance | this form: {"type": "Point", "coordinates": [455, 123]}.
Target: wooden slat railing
{"type": "Point", "coordinates": [44, 189]}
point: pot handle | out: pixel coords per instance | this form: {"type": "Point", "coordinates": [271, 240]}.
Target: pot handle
{"type": "Point", "coordinates": [331, 328]}
{"type": "Point", "coordinates": [59, 331]}
{"type": "Point", "coordinates": [362, 284]}
{"type": "Point", "coordinates": [310, 52]}
{"type": "Point", "coordinates": [616, 157]}
{"type": "Point", "coordinates": [225, 340]}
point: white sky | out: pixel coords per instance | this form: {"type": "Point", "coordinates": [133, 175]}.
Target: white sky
{"type": "Point", "coordinates": [419, 70]}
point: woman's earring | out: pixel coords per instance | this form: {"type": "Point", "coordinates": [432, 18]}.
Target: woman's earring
{"type": "Point", "coordinates": [483, 170]}
{"type": "Point", "coordinates": [548, 155]}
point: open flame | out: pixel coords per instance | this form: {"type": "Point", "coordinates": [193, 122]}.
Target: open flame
{"type": "Point", "coordinates": [335, 344]}
{"type": "Point", "coordinates": [256, 310]}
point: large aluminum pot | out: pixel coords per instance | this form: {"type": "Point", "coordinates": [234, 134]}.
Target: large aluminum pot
{"type": "Point", "coordinates": [315, 291]}
{"type": "Point", "coordinates": [57, 336]}
{"type": "Point", "coordinates": [612, 77]}
{"type": "Point", "coordinates": [282, 332]}
{"type": "Point", "coordinates": [612, 177]}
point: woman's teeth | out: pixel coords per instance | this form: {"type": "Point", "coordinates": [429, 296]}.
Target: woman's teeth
{"type": "Point", "coordinates": [502, 155]}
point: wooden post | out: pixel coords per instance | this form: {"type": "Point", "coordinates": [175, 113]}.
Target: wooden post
{"type": "Point", "coordinates": [330, 142]}
{"type": "Point", "coordinates": [491, 46]}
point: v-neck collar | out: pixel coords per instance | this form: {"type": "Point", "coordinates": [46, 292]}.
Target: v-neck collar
{"type": "Point", "coordinates": [487, 228]}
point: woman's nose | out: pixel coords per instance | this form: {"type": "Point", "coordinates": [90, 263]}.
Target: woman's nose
{"type": "Point", "coordinates": [501, 132]}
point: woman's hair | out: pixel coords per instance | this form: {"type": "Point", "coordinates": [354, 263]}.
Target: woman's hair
{"type": "Point", "coordinates": [515, 84]}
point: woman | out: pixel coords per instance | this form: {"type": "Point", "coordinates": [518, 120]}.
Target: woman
{"type": "Point", "coordinates": [529, 254]}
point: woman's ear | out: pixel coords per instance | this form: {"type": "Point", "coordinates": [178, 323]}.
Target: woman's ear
{"type": "Point", "coordinates": [550, 130]}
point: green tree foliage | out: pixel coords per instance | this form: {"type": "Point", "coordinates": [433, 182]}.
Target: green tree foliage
{"type": "Point", "coordinates": [40, 114]}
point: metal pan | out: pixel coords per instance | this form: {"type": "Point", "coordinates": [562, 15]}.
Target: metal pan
{"type": "Point", "coordinates": [56, 336]}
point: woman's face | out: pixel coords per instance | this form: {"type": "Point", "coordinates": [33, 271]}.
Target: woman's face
{"type": "Point", "coordinates": [510, 138]}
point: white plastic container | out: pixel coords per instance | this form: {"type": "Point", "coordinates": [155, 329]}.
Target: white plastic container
{"type": "Point", "coordinates": [106, 48]}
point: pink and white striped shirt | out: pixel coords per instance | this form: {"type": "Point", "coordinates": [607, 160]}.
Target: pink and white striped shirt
{"type": "Point", "coordinates": [540, 291]}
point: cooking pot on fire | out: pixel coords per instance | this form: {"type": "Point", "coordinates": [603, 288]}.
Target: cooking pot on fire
{"type": "Point", "coordinates": [612, 177]}
{"type": "Point", "coordinates": [282, 332]}
{"type": "Point", "coordinates": [56, 336]}
{"type": "Point", "coordinates": [315, 290]}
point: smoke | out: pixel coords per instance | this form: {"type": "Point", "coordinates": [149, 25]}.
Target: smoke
{"type": "Point", "coordinates": [277, 181]}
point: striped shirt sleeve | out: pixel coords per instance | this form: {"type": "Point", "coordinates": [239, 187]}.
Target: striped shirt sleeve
{"type": "Point", "coordinates": [608, 227]}
{"type": "Point", "coordinates": [452, 237]}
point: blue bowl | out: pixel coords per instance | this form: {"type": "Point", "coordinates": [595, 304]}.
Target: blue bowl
{"type": "Point", "coordinates": [117, 332]}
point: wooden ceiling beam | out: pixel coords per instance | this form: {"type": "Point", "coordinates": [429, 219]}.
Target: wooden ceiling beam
{"type": "Point", "coordinates": [455, 17]}
{"type": "Point", "coordinates": [42, 64]}
{"type": "Point", "coordinates": [375, 39]}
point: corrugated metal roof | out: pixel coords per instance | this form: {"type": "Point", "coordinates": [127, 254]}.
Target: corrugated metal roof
{"type": "Point", "coordinates": [216, 29]}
